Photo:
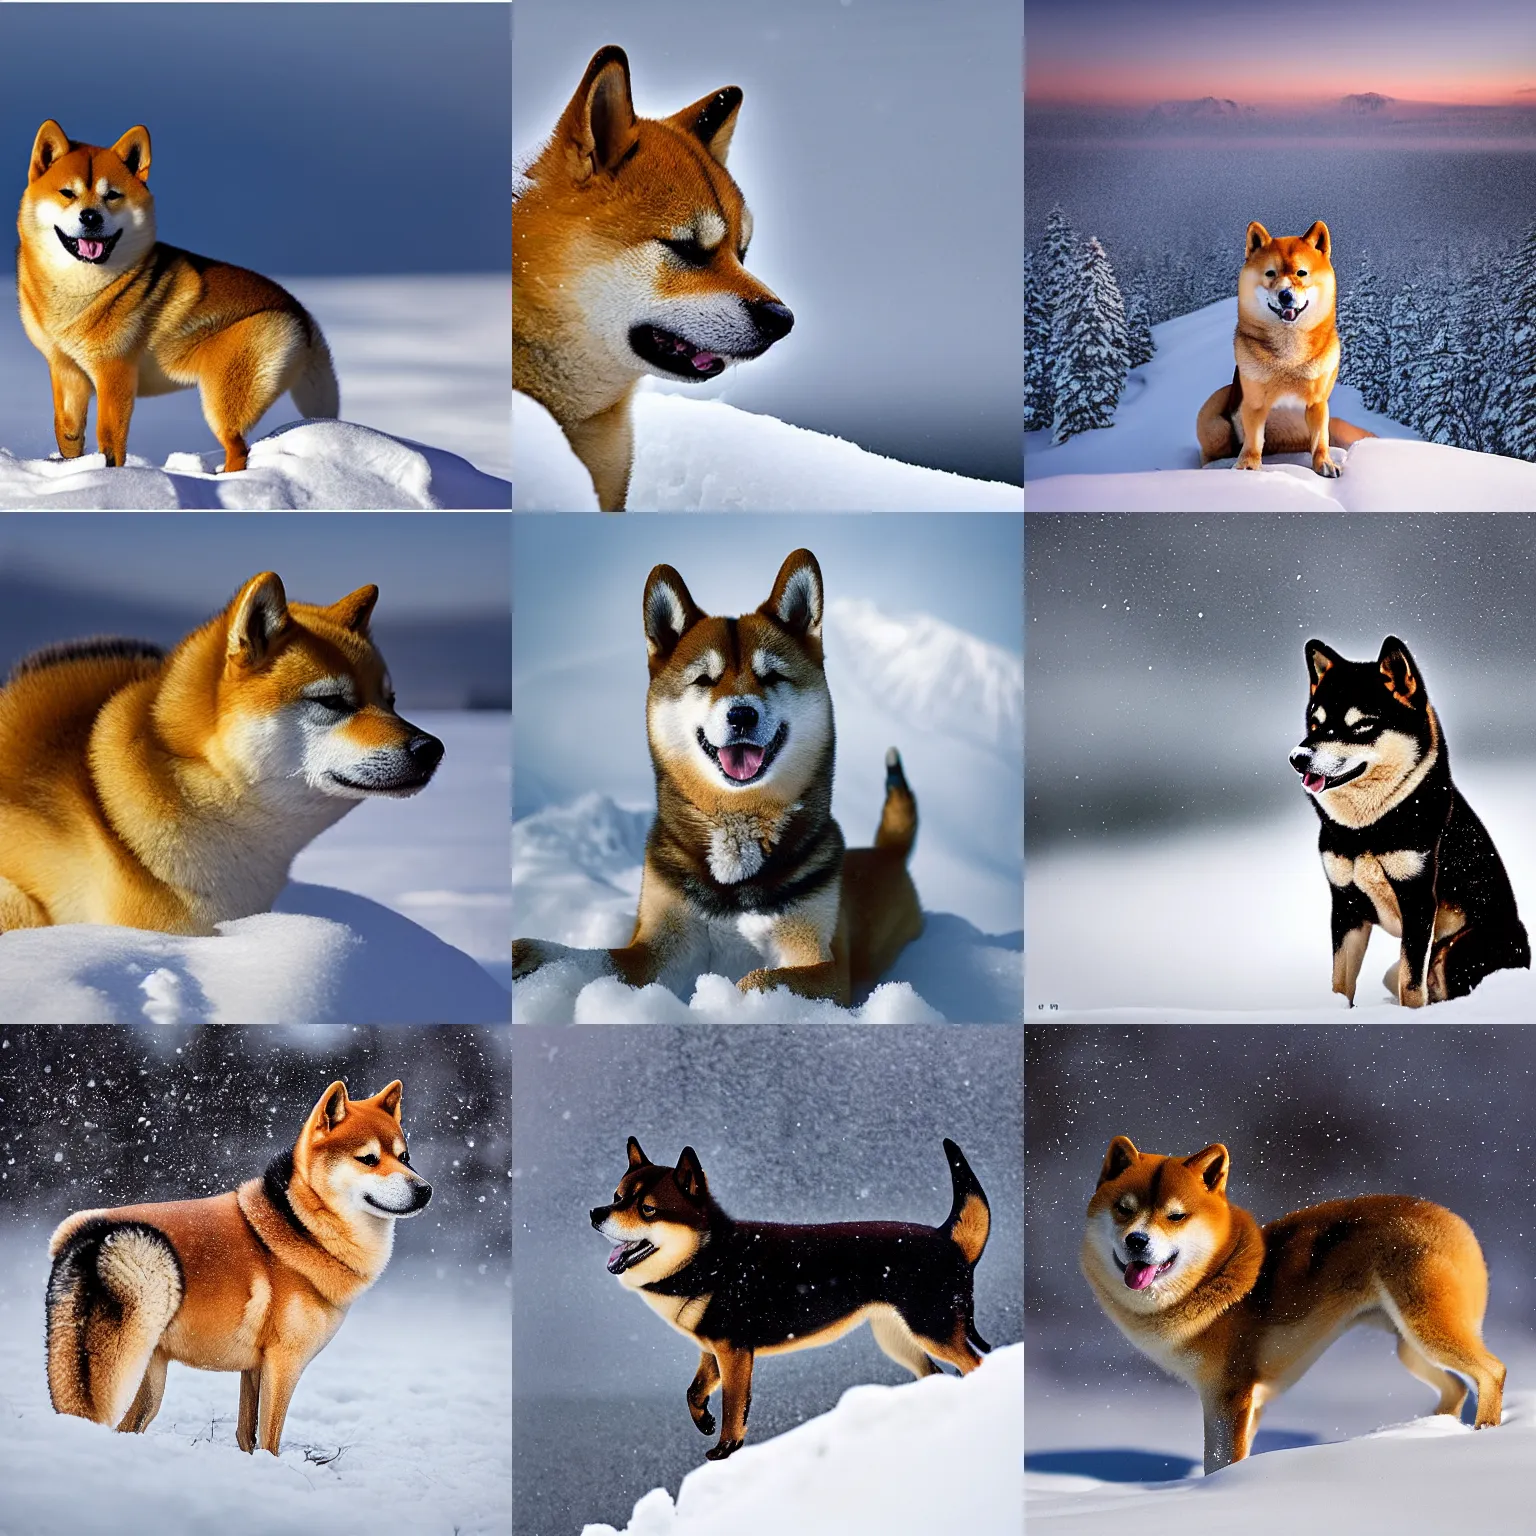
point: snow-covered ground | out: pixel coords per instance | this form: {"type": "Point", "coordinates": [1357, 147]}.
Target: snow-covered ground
{"type": "Point", "coordinates": [941, 1454]}
{"type": "Point", "coordinates": [1149, 460]}
{"type": "Point", "coordinates": [706, 456]}
{"type": "Point", "coordinates": [402, 1423]}
{"type": "Point", "coordinates": [1231, 925]}
{"type": "Point", "coordinates": [421, 361]}
{"type": "Point", "coordinates": [398, 914]}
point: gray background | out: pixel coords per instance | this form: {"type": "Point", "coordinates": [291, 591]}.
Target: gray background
{"type": "Point", "coordinates": [791, 1124]}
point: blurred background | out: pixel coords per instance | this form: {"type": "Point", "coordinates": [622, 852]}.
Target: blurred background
{"type": "Point", "coordinates": [880, 149]}
{"type": "Point", "coordinates": [791, 1124]}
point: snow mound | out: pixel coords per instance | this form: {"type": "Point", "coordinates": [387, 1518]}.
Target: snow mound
{"type": "Point", "coordinates": [941, 1454]}
{"type": "Point", "coordinates": [310, 465]}
{"type": "Point", "coordinates": [548, 476]}
{"type": "Point", "coordinates": [706, 456]}
{"type": "Point", "coordinates": [1429, 1474]}
{"type": "Point", "coordinates": [322, 957]}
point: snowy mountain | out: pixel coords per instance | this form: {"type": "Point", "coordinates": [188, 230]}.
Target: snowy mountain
{"type": "Point", "coordinates": [1207, 109]}
{"type": "Point", "coordinates": [1367, 103]}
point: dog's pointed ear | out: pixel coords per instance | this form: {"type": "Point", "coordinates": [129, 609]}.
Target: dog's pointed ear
{"type": "Point", "coordinates": [330, 1108]}
{"type": "Point", "coordinates": [670, 612]}
{"type": "Point", "coordinates": [1258, 237]}
{"type": "Point", "coordinates": [712, 120]}
{"type": "Point", "coordinates": [598, 128]}
{"type": "Point", "coordinates": [796, 599]}
{"type": "Point", "coordinates": [637, 1158]}
{"type": "Point", "coordinates": [690, 1176]}
{"type": "Point", "coordinates": [1320, 658]}
{"type": "Point", "coordinates": [1399, 673]}
{"type": "Point", "coordinates": [51, 144]}
{"type": "Point", "coordinates": [1122, 1153]}
{"type": "Point", "coordinates": [133, 150]}
{"type": "Point", "coordinates": [256, 618]}
{"type": "Point", "coordinates": [355, 609]}
{"type": "Point", "coordinates": [1211, 1166]}
{"type": "Point", "coordinates": [1318, 237]}
{"type": "Point", "coordinates": [388, 1099]}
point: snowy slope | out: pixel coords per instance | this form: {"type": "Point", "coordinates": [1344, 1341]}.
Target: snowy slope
{"type": "Point", "coordinates": [936, 1455]}
{"type": "Point", "coordinates": [1149, 460]}
{"type": "Point", "coordinates": [1231, 925]}
{"type": "Point", "coordinates": [706, 456]}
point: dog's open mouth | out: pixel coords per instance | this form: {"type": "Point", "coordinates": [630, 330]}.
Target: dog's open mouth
{"type": "Point", "coordinates": [674, 354]}
{"type": "Point", "coordinates": [402, 786]}
{"type": "Point", "coordinates": [88, 250]}
{"type": "Point", "coordinates": [1319, 783]}
{"type": "Point", "coordinates": [1139, 1275]}
{"type": "Point", "coordinates": [742, 762]}
{"type": "Point", "coordinates": [1289, 312]}
{"type": "Point", "coordinates": [628, 1254]}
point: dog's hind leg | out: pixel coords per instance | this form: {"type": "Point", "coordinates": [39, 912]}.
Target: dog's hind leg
{"type": "Point", "coordinates": [705, 1380]}
{"type": "Point", "coordinates": [1214, 430]}
{"type": "Point", "coordinates": [1452, 1389]}
{"type": "Point", "coordinates": [17, 909]}
{"type": "Point", "coordinates": [250, 1397]}
{"type": "Point", "coordinates": [896, 1341]}
{"type": "Point", "coordinates": [735, 1400]}
{"type": "Point", "coordinates": [141, 1412]}
{"type": "Point", "coordinates": [1463, 959]}
{"type": "Point", "coordinates": [957, 1350]}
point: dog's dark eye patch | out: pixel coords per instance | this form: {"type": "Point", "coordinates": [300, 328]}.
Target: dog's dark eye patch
{"type": "Point", "coordinates": [689, 252]}
{"type": "Point", "coordinates": [334, 703]}
{"type": "Point", "coordinates": [369, 1159]}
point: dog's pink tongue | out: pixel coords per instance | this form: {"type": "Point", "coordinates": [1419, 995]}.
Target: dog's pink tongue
{"type": "Point", "coordinates": [613, 1258]}
{"type": "Point", "coordinates": [741, 762]}
{"type": "Point", "coordinates": [703, 360]}
{"type": "Point", "coordinates": [1138, 1275]}
{"type": "Point", "coordinates": [1313, 781]}
{"type": "Point", "coordinates": [91, 249]}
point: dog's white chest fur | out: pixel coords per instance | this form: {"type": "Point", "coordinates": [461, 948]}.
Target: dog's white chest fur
{"type": "Point", "coordinates": [735, 852]}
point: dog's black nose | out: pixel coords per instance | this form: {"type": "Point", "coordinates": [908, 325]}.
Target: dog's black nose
{"type": "Point", "coordinates": [421, 1193]}
{"type": "Point", "coordinates": [90, 218]}
{"type": "Point", "coordinates": [1301, 759]}
{"type": "Point", "coordinates": [425, 752]}
{"type": "Point", "coordinates": [771, 320]}
{"type": "Point", "coordinates": [742, 718]}
{"type": "Point", "coordinates": [1137, 1242]}
{"type": "Point", "coordinates": [1286, 297]}
{"type": "Point", "coordinates": [599, 1214]}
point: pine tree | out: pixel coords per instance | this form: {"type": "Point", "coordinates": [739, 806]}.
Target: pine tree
{"type": "Point", "coordinates": [1039, 398]}
{"type": "Point", "coordinates": [1091, 363]}
{"type": "Point", "coordinates": [1056, 268]}
{"type": "Point", "coordinates": [1141, 345]}
{"type": "Point", "coordinates": [1443, 414]}
{"type": "Point", "coordinates": [1406, 343]}
{"type": "Point", "coordinates": [1365, 345]}
{"type": "Point", "coordinates": [1518, 364]}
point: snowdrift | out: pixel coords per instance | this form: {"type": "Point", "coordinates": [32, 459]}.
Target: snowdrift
{"type": "Point", "coordinates": [320, 465]}
{"type": "Point", "coordinates": [706, 456]}
{"type": "Point", "coordinates": [941, 1454]}
{"type": "Point", "coordinates": [322, 957]}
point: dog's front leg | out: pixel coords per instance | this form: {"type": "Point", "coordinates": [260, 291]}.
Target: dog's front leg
{"type": "Point", "coordinates": [1231, 1415]}
{"type": "Point", "coordinates": [1317, 427]}
{"type": "Point", "coordinates": [825, 979]}
{"type": "Point", "coordinates": [71, 398]}
{"type": "Point", "coordinates": [605, 443]}
{"type": "Point", "coordinates": [735, 1400]}
{"type": "Point", "coordinates": [279, 1376]}
{"type": "Point", "coordinates": [1351, 920]}
{"type": "Point", "coordinates": [705, 1380]}
{"type": "Point", "coordinates": [1416, 901]}
{"type": "Point", "coordinates": [117, 382]}
{"type": "Point", "coordinates": [1254, 414]}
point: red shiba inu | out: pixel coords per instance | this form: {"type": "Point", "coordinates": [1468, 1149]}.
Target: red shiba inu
{"type": "Point", "coordinates": [628, 244]}
{"type": "Point", "coordinates": [1241, 1312]}
{"type": "Point", "coordinates": [120, 315]}
{"type": "Point", "coordinates": [1287, 346]}
{"type": "Point", "coordinates": [744, 855]}
{"type": "Point", "coordinates": [257, 1280]}
{"type": "Point", "coordinates": [172, 791]}
{"type": "Point", "coordinates": [739, 1289]}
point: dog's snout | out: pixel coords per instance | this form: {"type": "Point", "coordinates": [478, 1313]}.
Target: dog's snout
{"type": "Point", "coordinates": [421, 1192]}
{"type": "Point", "coordinates": [599, 1214]}
{"type": "Point", "coordinates": [425, 752]}
{"type": "Point", "coordinates": [1301, 759]}
{"type": "Point", "coordinates": [90, 218]}
{"type": "Point", "coordinates": [773, 320]}
{"type": "Point", "coordinates": [1137, 1242]}
{"type": "Point", "coordinates": [1287, 297]}
{"type": "Point", "coordinates": [741, 718]}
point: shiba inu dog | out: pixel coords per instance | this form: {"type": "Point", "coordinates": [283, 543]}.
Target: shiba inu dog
{"type": "Point", "coordinates": [629, 240]}
{"type": "Point", "coordinates": [744, 856]}
{"type": "Point", "coordinates": [257, 1280]}
{"type": "Point", "coordinates": [117, 313]}
{"type": "Point", "coordinates": [172, 791]}
{"type": "Point", "coordinates": [738, 1289]}
{"type": "Point", "coordinates": [1287, 346]}
{"type": "Point", "coordinates": [1400, 846]}
{"type": "Point", "coordinates": [1240, 1312]}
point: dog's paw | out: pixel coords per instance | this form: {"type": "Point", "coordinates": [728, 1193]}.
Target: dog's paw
{"type": "Point", "coordinates": [1247, 461]}
{"type": "Point", "coordinates": [724, 1449]}
{"type": "Point", "coordinates": [1327, 469]}
{"type": "Point", "coordinates": [757, 981]}
{"type": "Point", "coordinates": [527, 956]}
{"type": "Point", "coordinates": [704, 1422]}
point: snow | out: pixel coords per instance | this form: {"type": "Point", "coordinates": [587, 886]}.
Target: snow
{"type": "Point", "coordinates": [402, 1423]}
{"type": "Point", "coordinates": [885, 1459]}
{"type": "Point", "coordinates": [411, 925]}
{"type": "Point", "coordinates": [1149, 459]}
{"type": "Point", "coordinates": [1111, 938]}
{"type": "Point", "coordinates": [704, 455]}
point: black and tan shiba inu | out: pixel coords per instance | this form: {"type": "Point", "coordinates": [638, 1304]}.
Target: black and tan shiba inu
{"type": "Point", "coordinates": [738, 1289]}
{"type": "Point", "coordinates": [257, 1280]}
{"type": "Point", "coordinates": [744, 856]}
{"type": "Point", "coordinates": [1240, 1312]}
{"type": "Point", "coordinates": [629, 239]}
{"type": "Point", "coordinates": [1400, 845]}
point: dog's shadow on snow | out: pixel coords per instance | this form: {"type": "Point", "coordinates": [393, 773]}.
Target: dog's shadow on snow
{"type": "Point", "coordinates": [1124, 1464]}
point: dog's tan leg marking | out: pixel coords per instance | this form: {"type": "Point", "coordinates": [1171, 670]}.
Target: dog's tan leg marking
{"type": "Point", "coordinates": [957, 1350]}
{"type": "Point", "coordinates": [1348, 959]}
{"type": "Point", "coordinates": [1317, 429]}
{"type": "Point", "coordinates": [1252, 456]}
{"type": "Point", "coordinates": [1441, 1317]}
{"type": "Point", "coordinates": [250, 1395]}
{"type": "Point", "coordinates": [71, 397]}
{"type": "Point", "coordinates": [735, 1399]}
{"type": "Point", "coordinates": [898, 1343]}
{"type": "Point", "coordinates": [605, 443]}
{"type": "Point", "coordinates": [1231, 1417]}
{"type": "Point", "coordinates": [705, 1380]}
{"type": "Point", "coordinates": [1452, 1389]}
{"type": "Point", "coordinates": [827, 979]}
{"type": "Point", "coordinates": [141, 1412]}
{"type": "Point", "coordinates": [17, 909]}
{"type": "Point", "coordinates": [117, 382]}
{"type": "Point", "coordinates": [279, 1377]}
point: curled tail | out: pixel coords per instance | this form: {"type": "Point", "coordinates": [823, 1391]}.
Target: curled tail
{"type": "Point", "coordinates": [898, 820]}
{"type": "Point", "coordinates": [315, 391]}
{"type": "Point", "coordinates": [970, 1217]}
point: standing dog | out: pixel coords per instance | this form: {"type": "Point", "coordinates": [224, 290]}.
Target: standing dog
{"type": "Point", "coordinates": [172, 792]}
{"type": "Point", "coordinates": [257, 1280]}
{"type": "Point", "coordinates": [1287, 346]}
{"type": "Point", "coordinates": [1241, 1313]}
{"type": "Point", "coordinates": [1400, 846]}
{"type": "Point", "coordinates": [744, 852]}
{"type": "Point", "coordinates": [115, 312]}
{"type": "Point", "coordinates": [739, 1289]}
{"type": "Point", "coordinates": [628, 244]}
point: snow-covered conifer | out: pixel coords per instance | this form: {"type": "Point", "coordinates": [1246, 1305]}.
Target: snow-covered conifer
{"type": "Point", "coordinates": [1091, 362]}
